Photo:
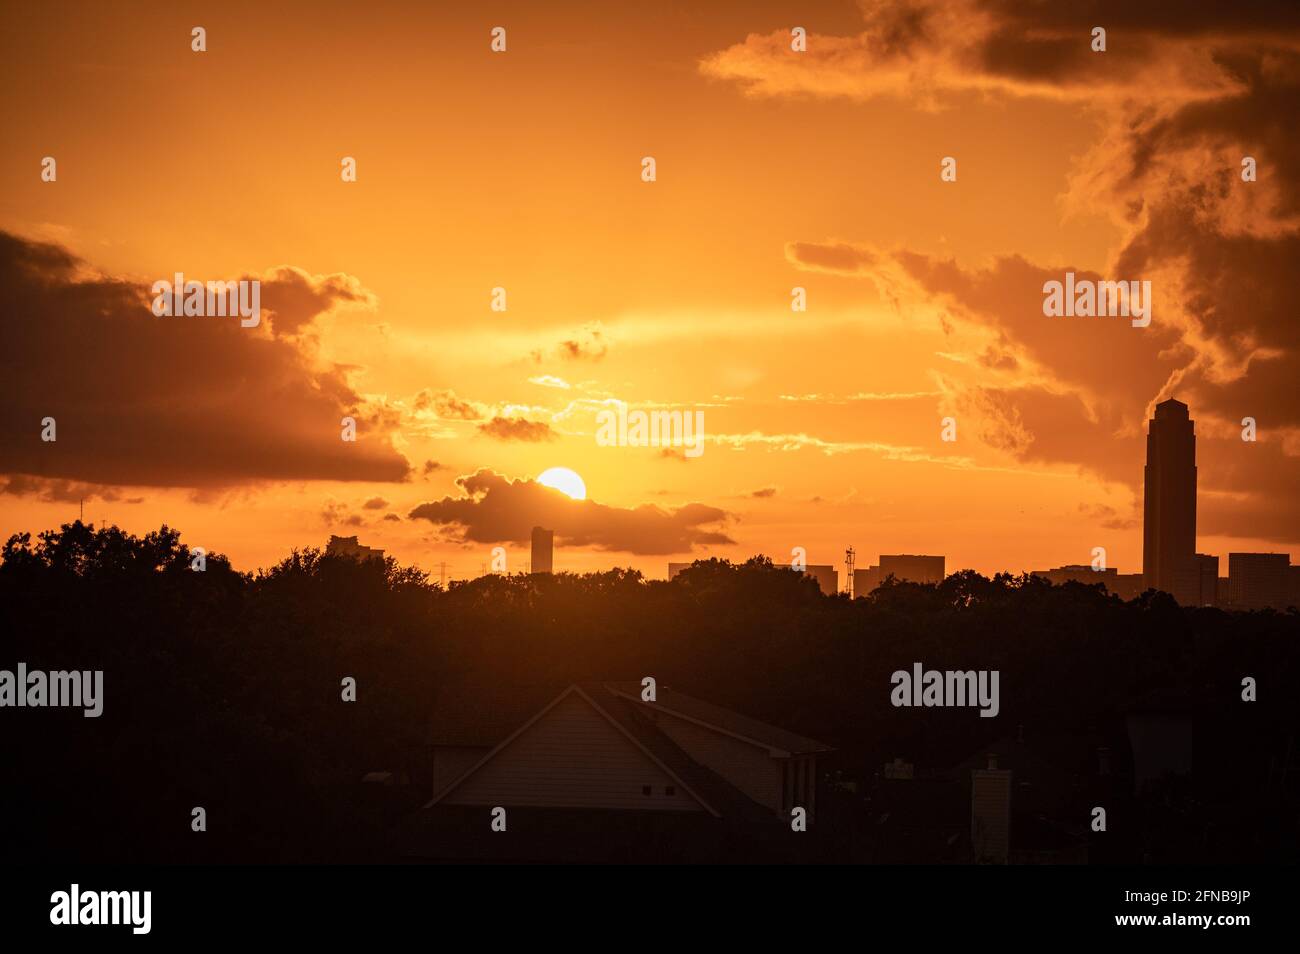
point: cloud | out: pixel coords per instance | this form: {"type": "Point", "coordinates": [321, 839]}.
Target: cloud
{"type": "Point", "coordinates": [495, 509]}
{"type": "Point", "coordinates": [446, 405]}
{"type": "Point", "coordinates": [61, 491]}
{"type": "Point", "coordinates": [188, 402]}
{"type": "Point", "coordinates": [375, 503]}
{"type": "Point", "coordinates": [836, 258]}
{"type": "Point", "coordinates": [336, 514]}
{"type": "Point", "coordinates": [296, 298]}
{"type": "Point", "coordinates": [927, 51]}
{"type": "Point", "coordinates": [517, 429]}
{"type": "Point", "coordinates": [550, 381]}
{"type": "Point", "coordinates": [589, 344]}
{"type": "Point", "coordinates": [764, 492]}
{"type": "Point", "coordinates": [859, 397]}
{"type": "Point", "coordinates": [1178, 101]}
{"type": "Point", "coordinates": [1110, 518]}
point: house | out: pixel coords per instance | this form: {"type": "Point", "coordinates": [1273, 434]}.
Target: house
{"type": "Point", "coordinates": [599, 746]}
{"type": "Point", "coordinates": [591, 773]}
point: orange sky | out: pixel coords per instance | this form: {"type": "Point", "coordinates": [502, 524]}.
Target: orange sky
{"type": "Point", "coordinates": [522, 170]}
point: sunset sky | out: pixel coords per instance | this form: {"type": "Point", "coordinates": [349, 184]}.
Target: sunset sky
{"type": "Point", "coordinates": [522, 170]}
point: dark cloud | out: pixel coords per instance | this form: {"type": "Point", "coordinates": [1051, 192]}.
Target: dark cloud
{"type": "Point", "coordinates": [1179, 98]}
{"type": "Point", "coordinates": [835, 257]}
{"type": "Point", "coordinates": [61, 491]}
{"type": "Point", "coordinates": [139, 400]}
{"type": "Point", "coordinates": [296, 298]}
{"type": "Point", "coordinates": [927, 50]}
{"type": "Point", "coordinates": [517, 429]}
{"type": "Point", "coordinates": [764, 492]}
{"type": "Point", "coordinates": [495, 509]}
{"type": "Point", "coordinates": [375, 503]}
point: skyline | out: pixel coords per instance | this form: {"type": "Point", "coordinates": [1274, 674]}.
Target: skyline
{"type": "Point", "coordinates": [857, 432]}
{"type": "Point", "coordinates": [522, 171]}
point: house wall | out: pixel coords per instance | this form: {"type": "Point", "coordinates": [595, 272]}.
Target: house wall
{"type": "Point", "coordinates": [572, 757]}
{"type": "Point", "coordinates": [746, 766]}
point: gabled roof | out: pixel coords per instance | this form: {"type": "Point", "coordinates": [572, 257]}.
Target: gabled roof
{"type": "Point", "coordinates": [504, 743]}
{"type": "Point", "coordinates": [480, 716]}
{"type": "Point", "coordinates": [722, 720]}
{"type": "Point", "coordinates": [629, 716]}
{"type": "Point", "coordinates": [710, 787]}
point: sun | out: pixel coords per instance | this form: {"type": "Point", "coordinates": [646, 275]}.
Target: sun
{"type": "Point", "coordinates": [565, 481]}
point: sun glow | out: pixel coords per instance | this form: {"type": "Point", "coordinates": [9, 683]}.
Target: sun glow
{"type": "Point", "coordinates": [565, 481]}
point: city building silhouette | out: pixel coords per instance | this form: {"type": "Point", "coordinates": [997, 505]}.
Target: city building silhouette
{"type": "Point", "coordinates": [543, 550]}
{"type": "Point", "coordinates": [1169, 505]}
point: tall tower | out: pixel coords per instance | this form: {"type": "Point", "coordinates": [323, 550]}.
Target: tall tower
{"type": "Point", "coordinates": [1169, 503]}
{"type": "Point", "coordinates": [543, 550]}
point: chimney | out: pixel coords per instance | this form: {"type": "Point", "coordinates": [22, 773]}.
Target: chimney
{"type": "Point", "coordinates": [990, 813]}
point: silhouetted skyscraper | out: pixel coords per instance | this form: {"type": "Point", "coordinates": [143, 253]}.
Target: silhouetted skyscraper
{"type": "Point", "coordinates": [543, 550]}
{"type": "Point", "coordinates": [1169, 504]}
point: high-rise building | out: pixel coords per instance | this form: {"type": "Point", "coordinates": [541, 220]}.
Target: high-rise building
{"type": "Point", "coordinates": [543, 550]}
{"type": "Point", "coordinates": [904, 567]}
{"type": "Point", "coordinates": [827, 577]}
{"type": "Point", "coordinates": [1207, 567]}
{"type": "Point", "coordinates": [1169, 504]}
{"type": "Point", "coordinates": [1079, 573]}
{"type": "Point", "coordinates": [1258, 580]}
{"type": "Point", "coordinates": [1127, 586]}
{"type": "Point", "coordinates": [913, 567]}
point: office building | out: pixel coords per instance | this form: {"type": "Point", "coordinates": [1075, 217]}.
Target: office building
{"type": "Point", "coordinates": [1079, 573]}
{"type": "Point", "coordinates": [543, 550]}
{"type": "Point", "coordinates": [1169, 504]}
{"type": "Point", "coordinates": [1258, 580]}
{"type": "Point", "coordinates": [904, 567]}
{"type": "Point", "coordinates": [827, 577]}
{"type": "Point", "coordinates": [1208, 579]}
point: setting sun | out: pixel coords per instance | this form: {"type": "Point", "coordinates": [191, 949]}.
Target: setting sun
{"type": "Point", "coordinates": [565, 481]}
